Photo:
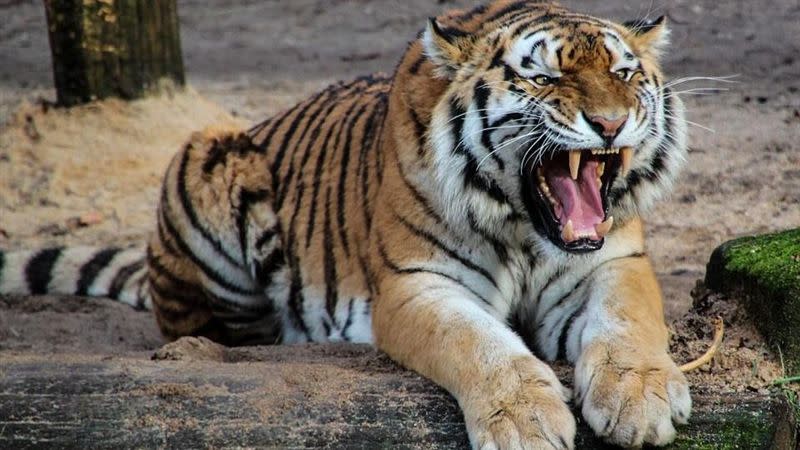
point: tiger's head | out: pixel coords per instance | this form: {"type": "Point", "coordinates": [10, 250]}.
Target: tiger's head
{"type": "Point", "coordinates": [547, 114]}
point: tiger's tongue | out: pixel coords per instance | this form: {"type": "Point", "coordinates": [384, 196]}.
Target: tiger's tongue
{"type": "Point", "coordinates": [579, 199]}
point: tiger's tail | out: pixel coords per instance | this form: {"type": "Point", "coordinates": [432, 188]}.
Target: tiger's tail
{"type": "Point", "coordinates": [111, 272]}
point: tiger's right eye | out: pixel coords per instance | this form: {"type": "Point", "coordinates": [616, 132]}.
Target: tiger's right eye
{"type": "Point", "coordinates": [544, 80]}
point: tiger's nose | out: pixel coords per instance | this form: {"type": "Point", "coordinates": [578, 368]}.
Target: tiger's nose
{"type": "Point", "coordinates": [607, 127]}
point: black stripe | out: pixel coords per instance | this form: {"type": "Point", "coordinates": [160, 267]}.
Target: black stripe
{"type": "Point", "coordinates": [472, 177]}
{"type": "Point", "coordinates": [315, 186]}
{"type": "Point", "coordinates": [560, 56]}
{"type": "Point", "coordinates": [266, 235]}
{"type": "Point", "coordinates": [659, 161]}
{"type": "Point", "coordinates": [516, 6]}
{"type": "Point", "coordinates": [320, 164]}
{"type": "Point", "coordinates": [185, 288]}
{"type": "Point", "coordinates": [562, 338]}
{"type": "Point", "coordinates": [450, 252]}
{"type": "Point", "coordinates": [186, 300]}
{"type": "Point", "coordinates": [331, 279]}
{"type": "Point", "coordinates": [368, 143]}
{"type": "Point", "coordinates": [414, 270]}
{"type": "Point", "coordinates": [259, 127]}
{"type": "Point", "coordinates": [212, 274]}
{"type": "Point", "coordinates": [262, 146]}
{"type": "Point", "coordinates": [39, 270]}
{"type": "Point", "coordinates": [657, 164]}
{"type": "Point", "coordinates": [469, 15]}
{"type": "Point", "coordinates": [414, 68]}
{"type": "Point", "coordinates": [122, 276]}
{"type": "Point", "coordinates": [232, 306]}
{"type": "Point", "coordinates": [216, 155]}
{"type": "Point", "coordinates": [560, 272]}
{"type": "Point", "coordinates": [553, 278]}
{"type": "Point", "coordinates": [497, 59]}
{"type": "Point", "coordinates": [508, 117]}
{"type": "Point", "coordinates": [162, 237]}
{"type": "Point", "coordinates": [188, 208]}
{"type": "Point", "coordinates": [91, 269]}
{"type": "Point", "coordinates": [349, 320]}
{"type": "Point", "coordinates": [239, 144]}
{"type": "Point", "coordinates": [317, 119]}
{"type": "Point", "coordinates": [343, 175]}
{"type": "Point", "coordinates": [419, 131]}
{"type": "Point", "coordinates": [246, 200]}
{"type": "Point", "coordinates": [276, 125]}
{"type": "Point", "coordinates": [523, 26]}
{"type": "Point", "coordinates": [284, 146]}
{"type": "Point", "coordinates": [499, 248]}
{"type": "Point", "coordinates": [269, 265]}
{"type": "Point", "coordinates": [447, 33]}
{"type": "Point", "coordinates": [481, 94]}
{"type": "Point", "coordinates": [296, 299]}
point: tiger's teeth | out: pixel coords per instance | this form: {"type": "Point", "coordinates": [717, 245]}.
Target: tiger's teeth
{"type": "Point", "coordinates": [627, 156]}
{"type": "Point", "coordinates": [603, 228]}
{"type": "Point", "coordinates": [568, 234]}
{"type": "Point", "coordinates": [600, 169]}
{"type": "Point", "coordinates": [574, 163]}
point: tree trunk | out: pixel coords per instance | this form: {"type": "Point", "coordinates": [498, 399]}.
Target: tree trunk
{"type": "Point", "coordinates": [105, 48]}
{"type": "Point", "coordinates": [197, 395]}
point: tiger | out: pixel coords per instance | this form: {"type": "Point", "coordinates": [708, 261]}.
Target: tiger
{"type": "Point", "coordinates": [474, 215]}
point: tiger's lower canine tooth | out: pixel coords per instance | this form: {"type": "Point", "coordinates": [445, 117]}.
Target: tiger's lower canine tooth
{"type": "Point", "coordinates": [603, 228]}
{"type": "Point", "coordinates": [574, 163]}
{"type": "Point", "coordinates": [568, 234]}
{"type": "Point", "coordinates": [627, 155]}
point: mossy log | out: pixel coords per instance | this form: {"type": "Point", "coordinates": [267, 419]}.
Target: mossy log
{"type": "Point", "coordinates": [121, 48]}
{"type": "Point", "coordinates": [764, 272]}
{"type": "Point", "coordinates": [338, 396]}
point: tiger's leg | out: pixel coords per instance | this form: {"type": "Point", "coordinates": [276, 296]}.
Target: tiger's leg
{"type": "Point", "coordinates": [629, 389]}
{"type": "Point", "coordinates": [217, 248]}
{"type": "Point", "coordinates": [510, 399]}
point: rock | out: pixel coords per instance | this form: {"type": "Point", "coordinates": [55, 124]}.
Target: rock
{"type": "Point", "coordinates": [764, 273]}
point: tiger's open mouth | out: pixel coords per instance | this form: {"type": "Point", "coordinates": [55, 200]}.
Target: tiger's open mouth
{"type": "Point", "coordinates": [567, 195]}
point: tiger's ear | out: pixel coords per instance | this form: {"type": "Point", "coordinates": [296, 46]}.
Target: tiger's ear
{"type": "Point", "coordinates": [447, 48]}
{"type": "Point", "coordinates": [649, 36]}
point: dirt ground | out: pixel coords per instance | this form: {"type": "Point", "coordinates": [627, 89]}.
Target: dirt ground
{"type": "Point", "coordinates": [248, 59]}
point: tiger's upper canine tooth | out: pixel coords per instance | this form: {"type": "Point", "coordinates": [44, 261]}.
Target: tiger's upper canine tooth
{"type": "Point", "coordinates": [603, 228]}
{"type": "Point", "coordinates": [574, 163]}
{"type": "Point", "coordinates": [568, 233]}
{"type": "Point", "coordinates": [627, 156]}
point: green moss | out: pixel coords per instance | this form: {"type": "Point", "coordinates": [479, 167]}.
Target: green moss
{"type": "Point", "coordinates": [751, 432]}
{"type": "Point", "coordinates": [774, 259]}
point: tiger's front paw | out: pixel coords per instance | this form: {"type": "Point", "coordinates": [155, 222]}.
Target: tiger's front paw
{"type": "Point", "coordinates": [523, 408]}
{"type": "Point", "coordinates": [629, 397]}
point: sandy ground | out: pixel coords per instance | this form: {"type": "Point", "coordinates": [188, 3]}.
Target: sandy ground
{"type": "Point", "coordinates": [249, 59]}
